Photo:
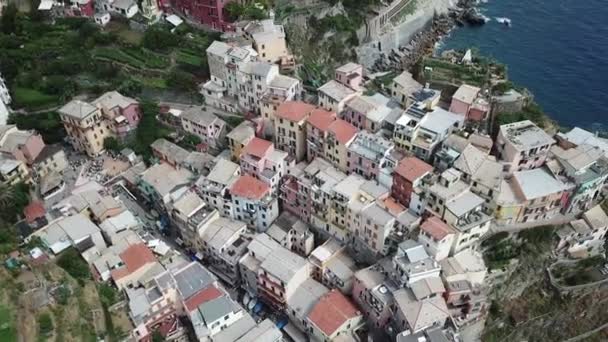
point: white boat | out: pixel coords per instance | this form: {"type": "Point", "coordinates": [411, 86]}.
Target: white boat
{"type": "Point", "coordinates": [503, 20]}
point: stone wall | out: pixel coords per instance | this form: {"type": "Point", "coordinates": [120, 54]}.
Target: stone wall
{"type": "Point", "coordinates": [394, 36]}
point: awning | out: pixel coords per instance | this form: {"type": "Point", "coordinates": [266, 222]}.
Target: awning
{"type": "Point", "coordinates": [174, 20]}
{"type": "Point", "coordinates": [258, 307]}
{"type": "Point", "coordinates": [45, 5]}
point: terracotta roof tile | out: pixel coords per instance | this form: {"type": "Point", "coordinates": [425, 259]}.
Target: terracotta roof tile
{"type": "Point", "coordinates": [249, 187]}
{"type": "Point", "coordinates": [321, 119]}
{"type": "Point", "coordinates": [209, 293]}
{"type": "Point", "coordinates": [393, 207]}
{"type": "Point", "coordinates": [134, 258]}
{"type": "Point", "coordinates": [332, 311]}
{"type": "Point", "coordinates": [34, 211]}
{"type": "Point", "coordinates": [258, 147]}
{"type": "Point", "coordinates": [343, 130]}
{"type": "Point", "coordinates": [412, 168]}
{"type": "Point", "coordinates": [437, 228]}
{"type": "Point", "coordinates": [294, 110]}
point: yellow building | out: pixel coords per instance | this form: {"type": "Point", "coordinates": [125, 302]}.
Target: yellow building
{"type": "Point", "coordinates": [290, 128]}
{"type": "Point", "coordinates": [12, 171]}
{"type": "Point", "coordinates": [238, 138]}
{"type": "Point", "coordinates": [85, 126]}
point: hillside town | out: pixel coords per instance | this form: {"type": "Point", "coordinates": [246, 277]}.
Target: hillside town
{"type": "Point", "coordinates": [346, 212]}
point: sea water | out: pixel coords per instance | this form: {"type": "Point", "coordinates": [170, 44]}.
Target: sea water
{"type": "Point", "coordinates": [556, 48]}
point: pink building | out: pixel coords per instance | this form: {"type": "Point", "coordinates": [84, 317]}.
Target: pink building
{"type": "Point", "coordinates": [259, 159]}
{"type": "Point", "coordinates": [351, 75]}
{"type": "Point", "coordinates": [367, 154]}
{"type": "Point", "coordinates": [22, 145]}
{"type": "Point", "coordinates": [463, 99]}
{"type": "Point", "coordinates": [479, 110]}
{"type": "Point", "coordinates": [123, 111]}
{"type": "Point", "coordinates": [317, 126]}
{"type": "Point", "coordinates": [367, 112]}
{"type": "Point", "coordinates": [522, 146]}
{"type": "Point", "coordinates": [292, 200]}
{"type": "Point", "coordinates": [81, 8]}
{"type": "Point", "coordinates": [207, 12]}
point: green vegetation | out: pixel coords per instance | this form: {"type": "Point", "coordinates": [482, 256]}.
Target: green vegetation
{"type": "Point", "coordinates": [538, 239]}
{"type": "Point", "coordinates": [71, 261]}
{"type": "Point", "coordinates": [499, 249]}
{"type": "Point", "coordinates": [500, 254]}
{"type": "Point", "coordinates": [495, 239]}
{"type": "Point", "coordinates": [47, 124]}
{"type": "Point", "coordinates": [12, 201]}
{"type": "Point", "coordinates": [45, 64]}
{"type": "Point", "coordinates": [445, 71]}
{"type": "Point", "coordinates": [45, 323]}
{"type": "Point", "coordinates": [8, 331]}
{"type": "Point", "coordinates": [233, 121]}
{"type": "Point", "coordinates": [159, 38]}
{"type": "Point", "coordinates": [408, 9]}
{"type": "Point", "coordinates": [181, 80]}
{"type": "Point", "coordinates": [108, 294]}
{"type": "Point", "coordinates": [190, 141]}
{"type": "Point", "coordinates": [249, 10]}
{"type": "Point", "coordinates": [33, 99]}
{"type": "Point", "coordinates": [532, 112]}
{"type": "Point", "coordinates": [112, 144]}
{"type": "Point", "coordinates": [188, 57]}
{"type": "Point", "coordinates": [133, 57]}
{"type": "Point", "coordinates": [502, 87]}
{"type": "Point", "coordinates": [148, 131]}
{"type": "Point", "coordinates": [579, 273]}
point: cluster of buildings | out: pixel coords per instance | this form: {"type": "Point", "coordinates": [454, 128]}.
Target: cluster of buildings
{"type": "Point", "coordinates": [356, 214]}
{"type": "Point", "coordinates": [25, 158]}
{"type": "Point", "coordinates": [211, 14]}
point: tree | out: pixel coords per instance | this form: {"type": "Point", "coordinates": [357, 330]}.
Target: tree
{"type": "Point", "coordinates": [17, 197]}
{"type": "Point", "coordinates": [35, 14]}
{"type": "Point", "coordinates": [6, 196]}
{"type": "Point", "coordinates": [234, 10]}
{"type": "Point", "coordinates": [158, 39]}
{"type": "Point", "coordinates": [47, 124]}
{"type": "Point", "coordinates": [45, 323]}
{"type": "Point", "coordinates": [72, 262]}
{"type": "Point", "coordinates": [181, 80]}
{"type": "Point", "coordinates": [8, 21]}
{"type": "Point", "coordinates": [254, 13]}
{"type": "Point", "coordinates": [111, 144]}
{"type": "Point", "coordinates": [107, 294]}
{"type": "Point", "coordinates": [157, 336]}
{"type": "Point", "coordinates": [148, 130]}
{"type": "Point", "coordinates": [190, 141]}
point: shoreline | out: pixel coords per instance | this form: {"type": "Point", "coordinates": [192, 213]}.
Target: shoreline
{"type": "Point", "coordinates": [430, 41]}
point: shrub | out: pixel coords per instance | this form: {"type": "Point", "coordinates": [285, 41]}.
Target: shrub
{"type": "Point", "coordinates": [111, 144]}
{"type": "Point", "coordinates": [33, 99]}
{"type": "Point", "coordinates": [72, 262]}
{"type": "Point", "coordinates": [158, 38]}
{"type": "Point", "coordinates": [107, 294]}
{"type": "Point", "coordinates": [47, 124]}
{"type": "Point", "coordinates": [45, 323]}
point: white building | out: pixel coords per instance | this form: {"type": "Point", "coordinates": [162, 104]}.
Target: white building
{"type": "Point", "coordinates": [5, 100]}
{"type": "Point", "coordinates": [585, 237]}
{"type": "Point", "coordinates": [253, 203]}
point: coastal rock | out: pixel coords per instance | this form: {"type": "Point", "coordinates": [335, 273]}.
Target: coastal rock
{"type": "Point", "coordinates": [473, 17]}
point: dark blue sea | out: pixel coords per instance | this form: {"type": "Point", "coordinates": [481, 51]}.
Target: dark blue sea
{"type": "Point", "coordinates": [556, 48]}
